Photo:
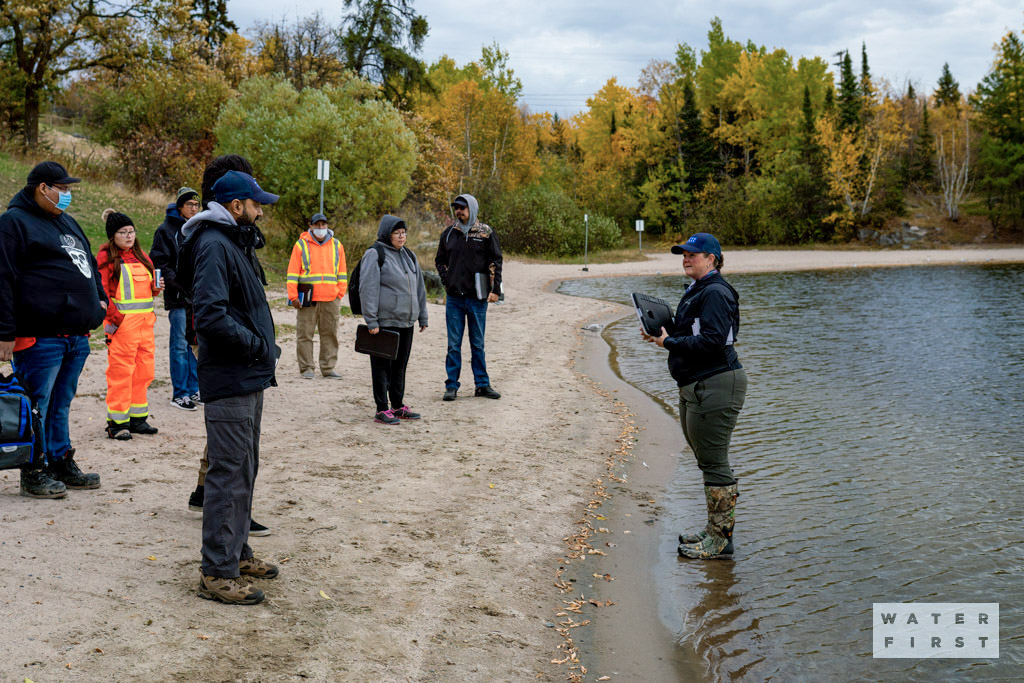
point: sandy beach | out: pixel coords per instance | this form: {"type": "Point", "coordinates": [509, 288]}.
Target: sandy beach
{"type": "Point", "coordinates": [449, 549]}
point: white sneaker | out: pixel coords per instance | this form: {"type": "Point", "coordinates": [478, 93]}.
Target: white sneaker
{"type": "Point", "coordinates": [183, 402]}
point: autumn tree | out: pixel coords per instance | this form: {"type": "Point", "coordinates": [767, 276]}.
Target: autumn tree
{"type": "Point", "coordinates": [211, 16]}
{"type": "Point", "coordinates": [48, 40]}
{"type": "Point", "coordinates": [306, 52]}
{"type": "Point", "coordinates": [953, 157]}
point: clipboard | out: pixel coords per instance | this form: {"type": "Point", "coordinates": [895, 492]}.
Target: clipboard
{"type": "Point", "coordinates": [654, 313]}
{"type": "Point", "coordinates": [384, 344]}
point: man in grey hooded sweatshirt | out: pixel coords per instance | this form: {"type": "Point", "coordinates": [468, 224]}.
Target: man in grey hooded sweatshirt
{"type": "Point", "coordinates": [469, 263]}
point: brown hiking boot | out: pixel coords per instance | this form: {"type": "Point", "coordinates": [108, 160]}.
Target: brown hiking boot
{"type": "Point", "coordinates": [257, 568]}
{"type": "Point", "coordinates": [229, 591]}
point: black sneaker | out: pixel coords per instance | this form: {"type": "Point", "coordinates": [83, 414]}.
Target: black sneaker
{"type": "Point", "coordinates": [184, 402]}
{"type": "Point", "coordinates": [449, 394]}
{"type": "Point", "coordinates": [257, 529]}
{"type": "Point", "coordinates": [37, 483]}
{"type": "Point", "coordinates": [195, 399]}
{"type": "Point", "coordinates": [138, 425]}
{"type": "Point", "coordinates": [486, 392]}
{"type": "Point", "coordinates": [195, 501]}
{"type": "Point", "coordinates": [386, 417]}
{"type": "Point", "coordinates": [66, 470]}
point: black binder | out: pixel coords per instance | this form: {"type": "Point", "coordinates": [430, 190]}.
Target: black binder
{"type": "Point", "coordinates": [654, 313]}
{"type": "Point", "coordinates": [384, 344]}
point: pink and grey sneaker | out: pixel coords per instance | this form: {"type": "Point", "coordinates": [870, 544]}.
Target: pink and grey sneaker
{"type": "Point", "coordinates": [404, 413]}
{"type": "Point", "coordinates": [386, 417]}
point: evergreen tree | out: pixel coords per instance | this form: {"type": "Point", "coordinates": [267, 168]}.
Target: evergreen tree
{"type": "Point", "coordinates": [866, 89]}
{"type": "Point", "coordinates": [697, 149]}
{"type": "Point", "coordinates": [830, 101]}
{"type": "Point", "coordinates": [922, 160]}
{"type": "Point", "coordinates": [380, 41]}
{"type": "Point", "coordinates": [614, 127]}
{"type": "Point", "coordinates": [911, 93]}
{"type": "Point", "coordinates": [214, 15]}
{"type": "Point", "coordinates": [947, 91]}
{"type": "Point", "coordinates": [849, 98]}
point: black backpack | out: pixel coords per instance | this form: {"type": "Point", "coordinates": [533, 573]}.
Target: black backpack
{"type": "Point", "coordinates": [20, 425]}
{"type": "Point", "coordinates": [353, 282]}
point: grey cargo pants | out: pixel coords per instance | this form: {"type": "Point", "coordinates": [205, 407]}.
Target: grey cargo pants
{"type": "Point", "coordinates": [233, 440]}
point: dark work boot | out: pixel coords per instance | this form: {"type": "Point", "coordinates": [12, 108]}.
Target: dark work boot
{"type": "Point", "coordinates": [37, 483]}
{"type": "Point", "coordinates": [67, 471]}
{"type": "Point", "coordinates": [486, 392]}
{"type": "Point", "coordinates": [195, 501]}
{"type": "Point", "coordinates": [118, 431]}
{"type": "Point", "coordinates": [138, 425]}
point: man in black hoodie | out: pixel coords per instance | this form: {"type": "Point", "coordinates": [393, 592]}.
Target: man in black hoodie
{"type": "Point", "coordinates": [237, 357]}
{"type": "Point", "coordinates": [51, 297]}
{"type": "Point", "coordinates": [166, 246]}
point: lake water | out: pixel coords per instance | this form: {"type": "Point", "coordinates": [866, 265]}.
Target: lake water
{"type": "Point", "coordinates": [880, 457]}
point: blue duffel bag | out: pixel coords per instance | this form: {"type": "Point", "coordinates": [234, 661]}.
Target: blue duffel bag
{"type": "Point", "coordinates": [19, 425]}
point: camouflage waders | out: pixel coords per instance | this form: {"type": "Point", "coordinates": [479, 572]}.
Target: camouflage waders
{"type": "Point", "coordinates": [717, 540]}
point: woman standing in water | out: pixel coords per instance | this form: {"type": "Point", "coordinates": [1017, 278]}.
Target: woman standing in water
{"type": "Point", "coordinates": [712, 387]}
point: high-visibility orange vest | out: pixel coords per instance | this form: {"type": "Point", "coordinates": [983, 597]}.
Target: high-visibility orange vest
{"type": "Point", "coordinates": [320, 265]}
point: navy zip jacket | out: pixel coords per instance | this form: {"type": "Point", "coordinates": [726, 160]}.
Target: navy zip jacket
{"type": "Point", "coordinates": [49, 283]}
{"type": "Point", "coordinates": [230, 312]}
{"type": "Point", "coordinates": [166, 247]}
{"type": "Point", "coordinates": [706, 325]}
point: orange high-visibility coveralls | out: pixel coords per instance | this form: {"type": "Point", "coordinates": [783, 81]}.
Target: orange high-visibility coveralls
{"type": "Point", "coordinates": [129, 329]}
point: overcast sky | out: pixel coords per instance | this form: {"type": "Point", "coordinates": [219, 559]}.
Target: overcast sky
{"type": "Point", "coordinates": [565, 51]}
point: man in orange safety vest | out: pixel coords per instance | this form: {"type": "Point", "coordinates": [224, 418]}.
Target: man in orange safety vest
{"type": "Point", "coordinates": [317, 279]}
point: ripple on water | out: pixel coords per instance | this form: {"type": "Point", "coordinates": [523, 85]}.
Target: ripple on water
{"type": "Point", "coordinates": [879, 457]}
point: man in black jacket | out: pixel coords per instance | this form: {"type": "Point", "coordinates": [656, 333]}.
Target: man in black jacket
{"type": "Point", "coordinates": [237, 357]}
{"type": "Point", "coordinates": [469, 262]}
{"type": "Point", "coordinates": [166, 246]}
{"type": "Point", "coordinates": [51, 297]}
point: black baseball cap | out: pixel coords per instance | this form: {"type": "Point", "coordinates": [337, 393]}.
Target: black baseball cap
{"type": "Point", "coordinates": [238, 185]}
{"type": "Point", "coordinates": [459, 201]}
{"type": "Point", "coordinates": [317, 217]}
{"type": "Point", "coordinates": [51, 173]}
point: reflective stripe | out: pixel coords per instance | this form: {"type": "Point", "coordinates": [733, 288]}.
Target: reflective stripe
{"type": "Point", "coordinates": [139, 410]}
{"type": "Point", "coordinates": [337, 254]}
{"type": "Point", "coordinates": [109, 329]}
{"type": "Point", "coordinates": [117, 418]}
{"type": "Point", "coordinates": [307, 279]}
{"type": "Point", "coordinates": [127, 300]}
{"type": "Point", "coordinates": [304, 248]}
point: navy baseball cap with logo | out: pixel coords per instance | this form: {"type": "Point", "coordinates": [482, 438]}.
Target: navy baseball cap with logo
{"type": "Point", "coordinates": [317, 217]}
{"type": "Point", "coordinates": [701, 242]}
{"type": "Point", "coordinates": [238, 185]}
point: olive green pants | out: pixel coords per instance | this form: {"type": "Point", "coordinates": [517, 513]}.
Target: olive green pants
{"type": "Point", "coordinates": [707, 412]}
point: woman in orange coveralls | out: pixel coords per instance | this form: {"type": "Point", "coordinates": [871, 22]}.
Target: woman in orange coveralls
{"type": "Point", "coordinates": [127, 273]}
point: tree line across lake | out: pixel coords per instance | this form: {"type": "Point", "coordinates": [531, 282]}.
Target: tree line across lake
{"type": "Point", "coordinates": [733, 138]}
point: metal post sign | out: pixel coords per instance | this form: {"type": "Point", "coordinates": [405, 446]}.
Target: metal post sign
{"type": "Point", "coordinates": [639, 225]}
{"type": "Point", "coordinates": [323, 169]}
{"type": "Point", "coordinates": [640, 233]}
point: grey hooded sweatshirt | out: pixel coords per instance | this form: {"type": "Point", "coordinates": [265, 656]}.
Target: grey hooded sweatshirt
{"type": "Point", "coordinates": [393, 294]}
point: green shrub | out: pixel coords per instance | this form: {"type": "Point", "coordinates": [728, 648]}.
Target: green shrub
{"type": "Point", "coordinates": [283, 132]}
{"type": "Point", "coordinates": [540, 220]}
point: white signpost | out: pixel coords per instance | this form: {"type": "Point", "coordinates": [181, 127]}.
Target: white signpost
{"type": "Point", "coordinates": [323, 173]}
{"type": "Point", "coordinates": [586, 240]}
{"type": "Point", "coordinates": [640, 232]}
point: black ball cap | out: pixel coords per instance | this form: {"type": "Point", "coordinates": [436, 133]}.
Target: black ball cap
{"type": "Point", "coordinates": [51, 173]}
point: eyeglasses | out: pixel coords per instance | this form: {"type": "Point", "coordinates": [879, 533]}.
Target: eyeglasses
{"type": "Point", "coordinates": [398, 233]}
{"type": "Point", "coordinates": [192, 205]}
{"type": "Point", "coordinates": [125, 233]}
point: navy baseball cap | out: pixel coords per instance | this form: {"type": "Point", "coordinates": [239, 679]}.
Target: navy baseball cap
{"type": "Point", "coordinates": [51, 173]}
{"type": "Point", "coordinates": [238, 185]}
{"type": "Point", "coordinates": [701, 242]}
{"type": "Point", "coordinates": [317, 217]}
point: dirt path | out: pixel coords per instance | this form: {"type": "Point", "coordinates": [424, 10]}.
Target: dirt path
{"type": "Point", "coordinates": [423, 552]}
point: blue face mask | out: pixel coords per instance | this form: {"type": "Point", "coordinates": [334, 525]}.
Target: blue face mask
{"type": "Point", "coordinates": [63, 200]}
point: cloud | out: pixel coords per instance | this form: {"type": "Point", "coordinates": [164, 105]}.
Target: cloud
{"type": "Point", "coordinates": [565, 51]}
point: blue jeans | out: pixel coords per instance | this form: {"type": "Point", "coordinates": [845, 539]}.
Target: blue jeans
{"type": "Point", "coordinates": [459, 310]}
{"type": "Point", "coordinates": [183, 361]}
{"type": "Point", "coordinates": [49, 371]}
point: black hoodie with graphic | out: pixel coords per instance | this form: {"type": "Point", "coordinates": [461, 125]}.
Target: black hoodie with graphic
{"type": "Point", "coordinates": [49, 283]}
